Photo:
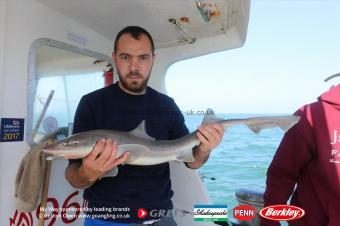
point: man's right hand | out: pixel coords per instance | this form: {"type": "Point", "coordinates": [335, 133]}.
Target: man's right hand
{"type": "Point", "coordinates": [101, 160]}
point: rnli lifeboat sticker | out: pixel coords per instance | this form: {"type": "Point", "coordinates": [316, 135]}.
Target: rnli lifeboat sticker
{"type": "Point", "coordinates": [12, 129]}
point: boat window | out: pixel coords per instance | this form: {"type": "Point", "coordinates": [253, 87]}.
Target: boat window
{"type": "Point", "coordinates": [60, 75]}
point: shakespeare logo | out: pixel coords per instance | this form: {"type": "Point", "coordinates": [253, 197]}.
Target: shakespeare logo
{"type": "Point", "coordinates": [211, 212]}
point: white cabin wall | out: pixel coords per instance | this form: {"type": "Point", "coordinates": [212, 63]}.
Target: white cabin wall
{"type": "Point", "coordinates": [2, 46]}
{"type": "Point", "coordinates": [235, 37]}
{"type": "Point", "coordinates": [2, 28]}
{"type": "Point", "coordinates": [21, 23]}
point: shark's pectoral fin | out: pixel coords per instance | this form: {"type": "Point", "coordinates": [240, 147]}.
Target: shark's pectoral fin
{"type": "Point", "coordinates": [111, 173]}
{"type": "Point", "coordinates": [185, 156]}
{"type": "Point", "coordinates": [136, 151]}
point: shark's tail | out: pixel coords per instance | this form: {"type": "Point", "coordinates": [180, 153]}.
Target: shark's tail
{"type": "Point", "coordinates": [255, 124]}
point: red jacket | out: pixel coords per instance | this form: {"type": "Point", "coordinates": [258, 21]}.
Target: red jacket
{"type": "Point", "coordinates": [309, 157]}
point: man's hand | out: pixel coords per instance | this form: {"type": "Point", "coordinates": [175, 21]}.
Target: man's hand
{"type": "Point", "coordinates": [101, 160]}
{"type": "Point", "coordinates": [210, 135]}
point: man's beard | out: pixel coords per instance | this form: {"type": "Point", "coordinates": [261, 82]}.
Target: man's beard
{"type": "Point", "coordinates": [134, 86]}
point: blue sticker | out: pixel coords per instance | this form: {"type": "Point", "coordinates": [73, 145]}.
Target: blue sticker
{"type": "Point", "coordinates": [12, 129]}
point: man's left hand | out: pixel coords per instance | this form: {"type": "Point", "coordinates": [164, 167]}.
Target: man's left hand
{"type": "Point", "coordinates": [210, 136]}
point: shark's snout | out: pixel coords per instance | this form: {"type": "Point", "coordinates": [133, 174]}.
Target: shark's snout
{"type": "Point", "coordinates": [52, 147]}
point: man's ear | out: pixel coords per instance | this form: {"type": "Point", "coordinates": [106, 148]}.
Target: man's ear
{"type": "Point", "coordinates": [113, 56]}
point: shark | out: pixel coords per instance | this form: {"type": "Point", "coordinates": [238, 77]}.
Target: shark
{"type": "Point", "coordinates": [145, 150]}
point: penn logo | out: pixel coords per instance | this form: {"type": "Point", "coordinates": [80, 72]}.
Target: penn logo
{"type": "Point", "coordinates": [244, 213]}
{"type": "Point", "coordinates": [282, 212]}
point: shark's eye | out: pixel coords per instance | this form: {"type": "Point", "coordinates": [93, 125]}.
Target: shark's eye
{"type": "Point", "coordinates": [70, 143]}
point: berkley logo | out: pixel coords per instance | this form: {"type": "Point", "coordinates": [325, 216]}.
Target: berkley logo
{"type": "Point", "coordinates": [282, 212]}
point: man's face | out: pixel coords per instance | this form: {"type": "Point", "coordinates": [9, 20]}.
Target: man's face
{"type": "Point", "coordinates": [134, 60]}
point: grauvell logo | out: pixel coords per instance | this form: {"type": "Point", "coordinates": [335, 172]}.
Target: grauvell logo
{"type": "Point", "coordinates": [142, 213]}
{"type": "Point", "coordinates": [244, 212]}
{"type": "Point", "coordinates": [282, 212]}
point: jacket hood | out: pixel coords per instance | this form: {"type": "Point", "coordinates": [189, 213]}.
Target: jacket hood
{"type": "Point", "coordinates": [332, 96]}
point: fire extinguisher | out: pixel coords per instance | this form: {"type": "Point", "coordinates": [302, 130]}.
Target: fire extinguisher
{"type": "Point", "coordinates": [108, 76]}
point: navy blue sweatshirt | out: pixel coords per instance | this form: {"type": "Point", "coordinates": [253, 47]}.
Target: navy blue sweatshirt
{"type": "Point", "coordinates": [134, 187]}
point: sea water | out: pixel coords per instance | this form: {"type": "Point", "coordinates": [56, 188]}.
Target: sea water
{"type": "Point", "coordinates": [240, 161]}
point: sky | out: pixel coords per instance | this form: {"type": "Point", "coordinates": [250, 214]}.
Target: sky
{"type": "Point", "coordinates": [291, 47]}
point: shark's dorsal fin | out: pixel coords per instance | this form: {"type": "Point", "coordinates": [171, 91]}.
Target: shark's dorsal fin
{"type": "Point", "coordinates": [140, 132]}
{"type": "Point", "coordinates": [210, 117]}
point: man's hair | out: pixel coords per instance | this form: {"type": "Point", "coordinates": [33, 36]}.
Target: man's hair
{"type": "Point", "coordinates": [135, 32]}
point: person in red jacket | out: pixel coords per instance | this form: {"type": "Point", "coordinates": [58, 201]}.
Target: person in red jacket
{"type": "Point", "coordinates": [307, 165]}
